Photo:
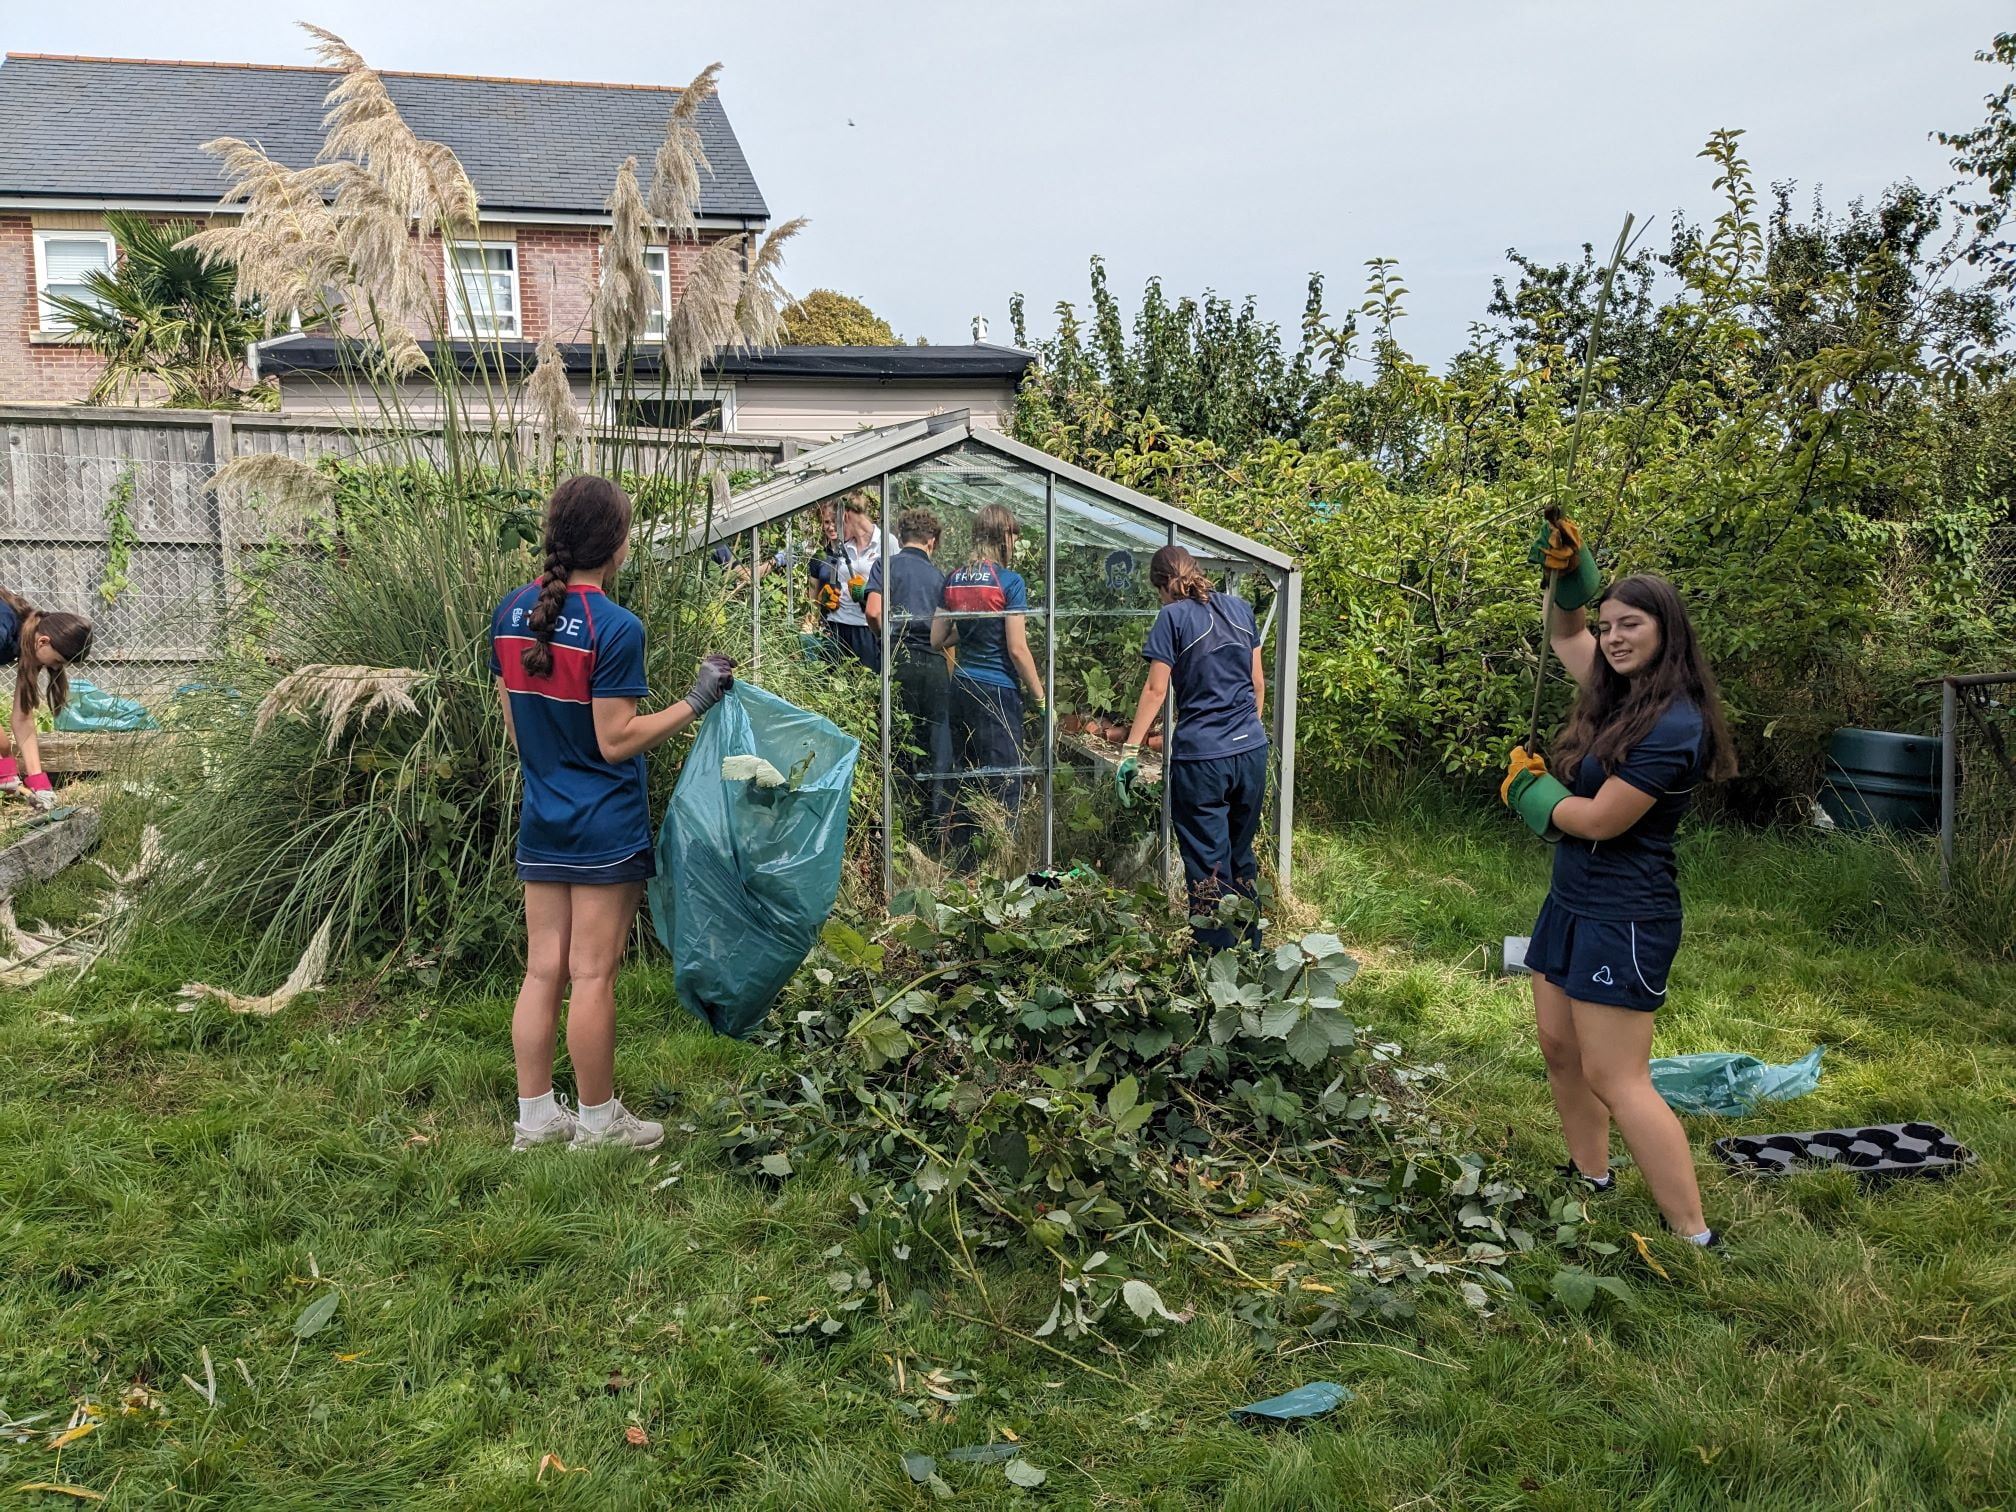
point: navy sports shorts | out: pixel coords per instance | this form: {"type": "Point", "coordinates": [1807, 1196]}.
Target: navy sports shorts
{"type": "Point", "coordinates": [640, 867]}
{"type": "Point", "coordinates": [1609, 961]}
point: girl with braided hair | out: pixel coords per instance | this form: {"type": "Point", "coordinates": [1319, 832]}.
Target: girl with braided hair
{"type": "Point", "coordinates": [42, 644]}
{"type": "Point", "coordinates": [569, 665]}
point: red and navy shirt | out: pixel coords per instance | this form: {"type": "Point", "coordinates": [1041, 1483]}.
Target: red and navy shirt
{"type": "Point", "coordinates": [985, 588]}
{"type": "Point", "coordinates": [578, 809]}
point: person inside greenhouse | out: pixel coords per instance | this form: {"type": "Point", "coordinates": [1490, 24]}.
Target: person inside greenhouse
{"type": "Point", "coordinates": [1647, 727]}
{"type": "Point", "coordinates": [985, 603]}
{"type": "Point", "coordinates": [569, 667]}
{"type": "Point", "coordinates": [920, 681]}
{"type": "Point", "coordinates": [1206, 645]}
{"type": "Point", "coordinates": [42, 644]}
{"type": "Point", "coordinates": [840, 575]}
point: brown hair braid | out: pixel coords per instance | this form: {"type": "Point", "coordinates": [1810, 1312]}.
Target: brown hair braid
{"type": "Point", "coordinates": [587, 522]}
{"type": "Point", "coordinates": [69, 637]}
{"type": "Point", "coordinates": [1175, 569]}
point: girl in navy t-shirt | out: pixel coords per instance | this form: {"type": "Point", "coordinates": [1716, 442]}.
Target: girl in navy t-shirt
{"type": "Point", "coordinates": [1647, 728]}
{"type": "Point", "coordinates": [569, 665]}
{"type": "Point", "coordinates": [1207, 646]}
{"type": "Point", "coordinates": [42, 644]}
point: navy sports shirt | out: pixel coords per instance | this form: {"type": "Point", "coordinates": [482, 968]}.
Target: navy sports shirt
{"type": "Point", "coordinates": [10, 634]}
{"type": "Point", "coordinates": [577, 809]}
{"type": "Point", "coordinates": [1209, 650]}
{"type": "Point", "coordinates": [915, 589]}
{"type": "Point", "coordinates": [1633, 876]}
{"type": "Point", "coordinates": [985, 588]}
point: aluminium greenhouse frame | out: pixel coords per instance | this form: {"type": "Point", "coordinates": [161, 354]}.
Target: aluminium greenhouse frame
{"type": "Point", "coordinates": [872, 458]}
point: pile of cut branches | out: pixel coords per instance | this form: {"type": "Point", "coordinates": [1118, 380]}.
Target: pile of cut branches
{"type": "Point", "coordinates": [1015, 1066]}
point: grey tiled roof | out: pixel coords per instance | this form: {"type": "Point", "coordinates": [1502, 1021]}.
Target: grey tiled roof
{"type": "Point", "coordinates": [112, 128]}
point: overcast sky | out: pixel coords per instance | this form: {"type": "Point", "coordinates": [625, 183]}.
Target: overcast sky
{"type": "Point", "coordinates": [951, 154]}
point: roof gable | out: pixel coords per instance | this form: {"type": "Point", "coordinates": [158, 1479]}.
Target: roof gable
{"type": "Point", "coordinates": [103, 128]}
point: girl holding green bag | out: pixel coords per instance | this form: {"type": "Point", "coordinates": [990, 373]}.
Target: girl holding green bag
{"type": "Point", "coordinates": [1647, 727]}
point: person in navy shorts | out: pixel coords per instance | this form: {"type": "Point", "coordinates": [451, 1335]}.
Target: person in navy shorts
{"type": "Point", "coordinates": [569, 665]}
{"type": "Point", "coordinates": [1646, 729]}
{"type": "Point", "coordinates": [1208, 645]}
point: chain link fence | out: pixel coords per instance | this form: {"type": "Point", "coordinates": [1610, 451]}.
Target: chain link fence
{"type": "Point", "coordinates": [1998, 568]}
{"type": "Point", "coordinates": [137, 545]}
{"type": "Point", "coordinates": [1977, 729]}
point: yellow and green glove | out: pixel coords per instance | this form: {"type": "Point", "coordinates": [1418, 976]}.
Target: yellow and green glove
{"type": "Point", "coordinates": [1559, 549]}
{"type": "Point", "coordinates": [1531, 792]}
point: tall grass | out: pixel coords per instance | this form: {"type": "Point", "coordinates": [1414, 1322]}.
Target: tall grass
{"type": "Point", "coordinates": [398, 828]}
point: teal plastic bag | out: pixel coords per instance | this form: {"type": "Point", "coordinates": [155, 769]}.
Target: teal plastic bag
{"type": "Point", "coordinates": [91, 708]}
{"type": "Point", "coordinates": [1718, 1081]}
{"type": "Point", "coordinates": [748, 872]}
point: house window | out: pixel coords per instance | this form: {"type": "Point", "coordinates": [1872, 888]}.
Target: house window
{"type": "Point", "coordinates": [658, 268]}
{"type": "Point", "coordinates": [482, 289]}
{"type": "Point", "coordinates": [62, 259]}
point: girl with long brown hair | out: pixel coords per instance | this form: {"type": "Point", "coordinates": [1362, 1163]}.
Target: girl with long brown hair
{"type": "Point", "coordinates": [1207, 645]}
{"type": "Point", "coordinates": [1647, 728]}
{"type": "Point", "coordinates": [42, 644]}
{"type": "Point", "coordinates": [569, 665]}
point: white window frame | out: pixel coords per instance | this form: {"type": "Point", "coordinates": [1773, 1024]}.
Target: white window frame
{"type": "Point", "coordinates": [464, 321]}
{"type": "Point", "coordinates": [654, 329]}
{"type": "Point", "coordinates": [47, 319]}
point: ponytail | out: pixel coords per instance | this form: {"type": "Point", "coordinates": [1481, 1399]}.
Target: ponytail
{"type": "Point", "coordinates": [69, 637]}
{"type": "Point", "coordinates": [1175, 569]}
{"type": "Point", "coordinates": [587, 522]}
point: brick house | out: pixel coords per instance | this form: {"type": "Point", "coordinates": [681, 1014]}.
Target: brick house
{"type": "Point", "coordinates": [83, 136]}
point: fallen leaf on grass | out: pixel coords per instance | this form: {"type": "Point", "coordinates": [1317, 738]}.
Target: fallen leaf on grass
{"type": "Point", "coordinates": [82, 1493]}
{"type": "Point", "coordinates": [1645, 1253]}
{"type": "Point", "coordinates": [1021, 1473]}
{"type": "Point", "coordinates": [352, 1359]}
{"type": "Point", "coordinates": [316, 1315]}
{"type": "Point", "coordinates": [636, 1437]}
{"type": "Point", "coordinates": [553, 1462]}
{"type": "Point", "coordinates": [70, 1436]}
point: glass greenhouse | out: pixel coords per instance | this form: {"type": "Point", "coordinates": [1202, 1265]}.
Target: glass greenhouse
{"type": "Point", "coordinates": [1044, 796]}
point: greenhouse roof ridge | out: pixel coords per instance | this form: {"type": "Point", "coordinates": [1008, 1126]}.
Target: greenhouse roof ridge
{"type": "Point", "coordinates": [854, 461]}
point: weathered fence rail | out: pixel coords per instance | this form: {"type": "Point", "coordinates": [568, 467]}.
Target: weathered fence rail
{"type": "Point", "coordinates": [108, 513]}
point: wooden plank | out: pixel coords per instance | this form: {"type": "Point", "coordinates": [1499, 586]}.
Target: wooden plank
{"type": "Point", "coordinates": [47, 847]}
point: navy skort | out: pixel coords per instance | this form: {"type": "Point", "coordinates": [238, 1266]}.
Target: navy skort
{"type": "Point", "coordinates": [640, 867]}
{"type": "Point", "coordinates": [1618, 963]}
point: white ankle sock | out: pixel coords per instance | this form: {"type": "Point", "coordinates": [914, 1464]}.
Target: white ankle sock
{"type": "Point", "coordinates": [1701, 1238]}
{"type": "Point", "coordinates": [597, 1117]}
{"type": "Point", "coordinates": [535, 1111]}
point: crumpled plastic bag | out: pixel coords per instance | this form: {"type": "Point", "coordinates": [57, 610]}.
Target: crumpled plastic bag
{"type": "Point", "coordinates": [1729, 1084]}
{"type": "Point", "coordinates": [91, 708]}
{"type": "Point", "coordinates": [747, 874]}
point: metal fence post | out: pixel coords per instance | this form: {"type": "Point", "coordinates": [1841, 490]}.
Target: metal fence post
{"type": "Point", "coordinates": [1287, 675]}
{"type": "Point", "coordinates": [1949, 737]}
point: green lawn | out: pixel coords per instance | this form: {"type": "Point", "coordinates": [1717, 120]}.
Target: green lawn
{"type": "Point", "coordinates": [171, 1182]}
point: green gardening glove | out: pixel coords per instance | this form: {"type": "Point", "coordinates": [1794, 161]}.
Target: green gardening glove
{"type": "Point", "coordinates": [1125, 773]}
{"type": "Point", "coordinates": [1559, 549]}
{"type": "Point", "coordinates": [1531, 792]}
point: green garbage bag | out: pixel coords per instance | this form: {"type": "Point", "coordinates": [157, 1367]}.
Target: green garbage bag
{"type": "Point", "coordinates": [749, 858]}
{"type": "Point", "coordinates": [1721, 1082]}
{"type": "Point", "coordinates": [91, 708]}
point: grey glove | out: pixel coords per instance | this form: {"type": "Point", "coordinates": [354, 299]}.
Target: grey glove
{"type": "Point", "coordinates": [786, 559]}
{"type": "Point", "coordinates": [715, 676]}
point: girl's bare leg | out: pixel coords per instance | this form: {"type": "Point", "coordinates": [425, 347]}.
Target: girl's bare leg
{"type": "Point", "coordinates": [1617, 1063]}
{"type": "Point", "coordinates": [533, 1021]}
{"type": "Point", "coordinates": [1585, 1122]}
{"type": "Point", "coordinates": [601, 928]}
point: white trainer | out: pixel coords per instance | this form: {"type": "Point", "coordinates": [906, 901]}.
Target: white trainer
{"type": "Point", "coordinates": [625, 1129]}
{"type": "Point", "coordinates": [559, 1129]}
